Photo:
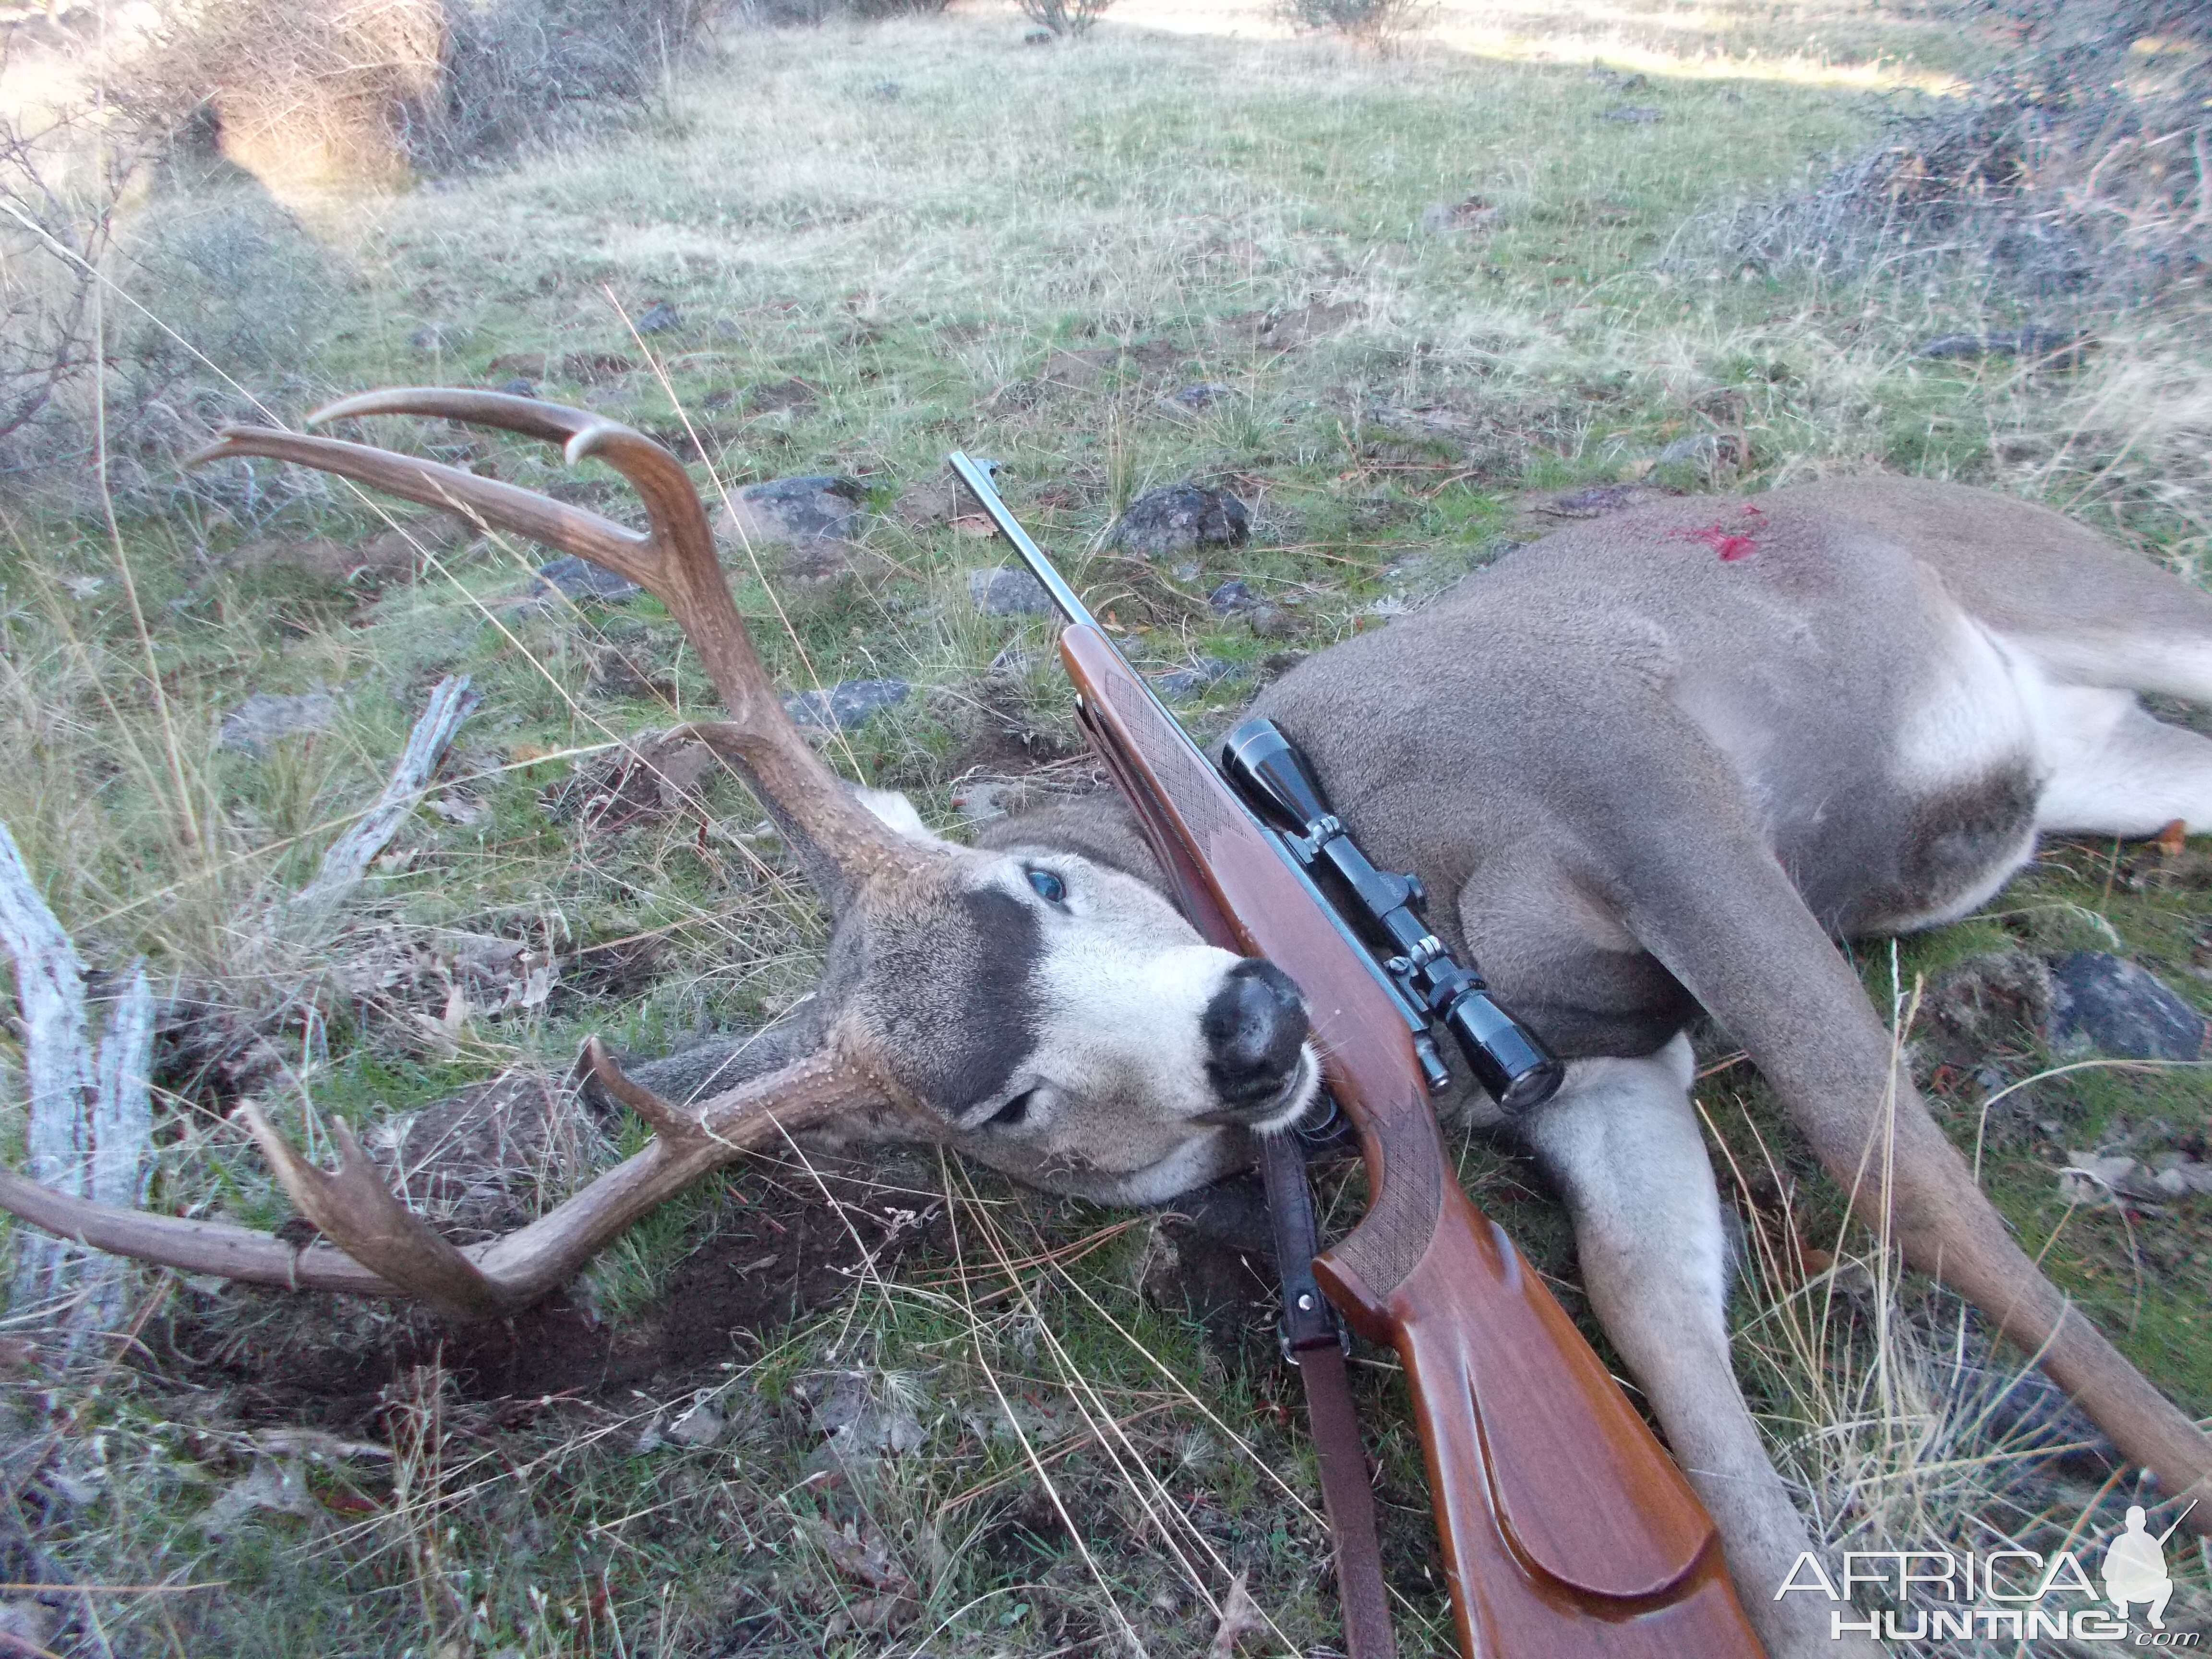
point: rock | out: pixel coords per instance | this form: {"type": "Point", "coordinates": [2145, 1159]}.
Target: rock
{"type": "Point", "coordinates": [1635, 115]}
{"type": "Point", "coordinates": [518, 387]}
{"type": "Point", "coordinates": [1206, 672]}
{"type": "Point", "coordinates": [659, 318]}
{"type": "Point", "coordinates": [847, 1411]}
{"type": "Point", "coordinates": [1454, 218]}
{"type": "Point", "coordinates": [1008, 590]}
{"type": "Point", "coordinates": [580, 580]}
{"type": "Point", "coordinates": [1202, 395]}
{"type": "Point", "coordinates": [2088, 1176]}
{"type": "Point", "coordinates": [1180, 518]}
{"type": "Point", "coordinates": [1270, 622]}
{"type": "Point", "coordinates": [802, 513]}
{"type": "Point", "coordinates": [1230, 598]}
{"type": "Point", "coordinates": [844, 705]}
{"type": "Point", "coordinates": [2101, 1001]}
{"type": "Point", "coordinates": [268, 715]}
{"type": "Point", "coordinates": [702, 1425]}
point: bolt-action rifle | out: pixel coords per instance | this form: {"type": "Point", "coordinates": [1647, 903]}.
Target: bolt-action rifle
{"type": "Point", "coordinates": [1567, 1532]}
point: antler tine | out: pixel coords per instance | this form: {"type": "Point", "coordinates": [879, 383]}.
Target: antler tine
{"type": "Point", "coordinates": [676, 563]}
{"type": "Point", "coordinates": [380, 1247]}
{"type": "Point", "coordinates": [527, 1263]}
{"type": "Point", "coordinates": [357, 1210]}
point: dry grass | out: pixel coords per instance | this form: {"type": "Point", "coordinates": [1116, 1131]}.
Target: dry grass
{"type": "Point", "coordinates": [913, 218]}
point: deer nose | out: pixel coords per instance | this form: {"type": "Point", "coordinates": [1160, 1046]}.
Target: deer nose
{"type": "Point", "coordinates": [1254, 1028]}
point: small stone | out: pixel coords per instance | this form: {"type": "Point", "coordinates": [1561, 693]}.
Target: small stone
{"type": "Point", "coordinates": [268, 715]}
{"type": "Point", "coordinates": [1202, 396]}
{"type": "Point", "coordinates": [579, 579]}
{"type": "Point", "coordinates": [844, 705]}
{"type": "Point", "coordinates": [1270, 622]}
{"type": "Point", "coordinates": [819, 507]}
{"type": "Point", "coordinates": [1635, 115]}
{"type": "Point", "coordinates": [2116, 1007]}
{"type": "Point", "coordinates": [518, 387]}
{"type": "Point", "coordinates": [1205, 672]}
{"type": "Point", "coordinates": [700, 1426]}
{"type": "Point", "coordinates": [1182, 518]}
{"type": "Point", "coordinates": [1230, 598]}
{"type": "Point", "coordinates": [1008, 590]}
{"type": "Point", "coordinates": [659, 318]}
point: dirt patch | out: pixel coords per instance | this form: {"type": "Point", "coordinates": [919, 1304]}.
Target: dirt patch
{"type": "Point", "coordinates": [776, 1248]}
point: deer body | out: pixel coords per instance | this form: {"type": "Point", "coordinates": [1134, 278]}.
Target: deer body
{"type": "Point", "coordinates": [1661, 761]}
{"type": "Point", "coordinates": [1653, 763]}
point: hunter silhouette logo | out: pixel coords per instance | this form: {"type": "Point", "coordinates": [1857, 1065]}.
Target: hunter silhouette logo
{"type": "Point", "coordinates": [2015, 1595]}
{"type": "Point", "coordinates": [2135, 1569]}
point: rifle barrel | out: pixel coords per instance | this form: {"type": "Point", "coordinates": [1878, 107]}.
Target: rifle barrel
{"type": "Point", "coordinates": [976, 475]}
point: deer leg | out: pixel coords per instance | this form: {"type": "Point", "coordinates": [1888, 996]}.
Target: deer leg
{"type": "Point", "coordinates": [2116, 770]}
{"type": "Point", "coordinates": [1621, 1141]}
{"type": "Point", "coordinates": [1717, 907]}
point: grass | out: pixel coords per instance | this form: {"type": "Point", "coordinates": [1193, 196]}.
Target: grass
{"type": "Point", "coordinates": [917, 257]}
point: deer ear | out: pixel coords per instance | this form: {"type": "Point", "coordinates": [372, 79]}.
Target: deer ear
{"type": "Point", "coordinates": [898, 812]}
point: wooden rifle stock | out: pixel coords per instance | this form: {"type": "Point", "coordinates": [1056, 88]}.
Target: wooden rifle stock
{"type": "Point", "coordinates": [1567, 1531]}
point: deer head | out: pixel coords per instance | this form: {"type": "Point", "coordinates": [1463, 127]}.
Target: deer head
{"type": "Point", "coordinates": [1051, 1015]}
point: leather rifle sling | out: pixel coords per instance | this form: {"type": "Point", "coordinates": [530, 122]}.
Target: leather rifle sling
{"type": "Point", "coordinates": [1313, 1342]}
{"type": "Point", "coordinates": [1311, 1335]}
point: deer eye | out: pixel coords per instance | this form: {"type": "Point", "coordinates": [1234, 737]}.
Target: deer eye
{"type": "Point", "coordinates": [1013, 1111]}
{"type": "Point", "coordinates": [1048, 886]}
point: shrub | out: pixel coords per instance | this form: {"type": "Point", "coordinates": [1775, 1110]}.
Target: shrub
{"type": "Point", "coordinates": [1378, 23]}
{"type": "Point", "coordinates": [1065, 16]}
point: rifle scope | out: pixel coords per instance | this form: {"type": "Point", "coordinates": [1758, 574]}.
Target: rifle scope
{"type": "Point", "coordinates": [1510, 1061]}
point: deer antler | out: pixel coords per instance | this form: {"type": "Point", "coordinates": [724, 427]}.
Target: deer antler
{"type": "Point", "coordinates": [675, 561]}
{"type": "Point", "coordinates": [384, 1248]}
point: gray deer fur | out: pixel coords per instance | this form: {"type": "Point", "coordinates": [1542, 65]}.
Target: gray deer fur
{"type": "Point", "coordinates": [1662, 762]}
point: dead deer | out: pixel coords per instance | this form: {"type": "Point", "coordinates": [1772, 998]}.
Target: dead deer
{"type": "Point", "coordinates": [1653, 763]}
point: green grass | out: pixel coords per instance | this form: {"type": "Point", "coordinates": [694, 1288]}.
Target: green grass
{"type": "Point", "coordinates": [918, 260]}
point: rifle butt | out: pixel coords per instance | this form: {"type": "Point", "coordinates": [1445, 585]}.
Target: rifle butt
{"type": "Point", "coordinates": [1567, 1531]}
